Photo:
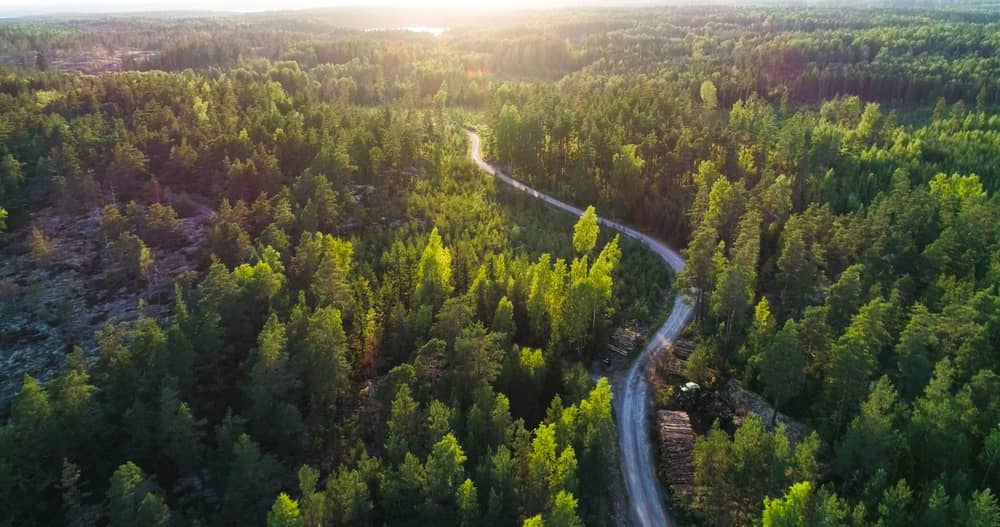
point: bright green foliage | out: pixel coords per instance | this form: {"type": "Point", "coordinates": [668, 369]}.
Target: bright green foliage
{"type": "Point", "coordinates": [444, 468]}
{"type": "Point", "coordinates": [549, 469]}
{"type": "Point", "coordinates": [434, 272]}
{"type": "Point", "coordinates": [260, 283]}
{"type": "Point", "coordinates": [312, 504]}
{"type": "Point", "coordinates": [534, 521]}
{"type": "Point", "coordinates": [503, 318]}
{"type": "Point", "coordinates": [468, 504]}
{"type": "Point", "coordinates": [439, 421]}
{"type": "Point", "coordinates": [735, 475]}
{"type": "Point", "coordinates": [983, 509]}
{"type": "Point", "coordinates": [284, 513]}
{"type": "Point", "coordinates": [585, 232]}
{"type": "Point", "coordinates": [532, 363]}
{"type": "Point", "coordinates": [704, 179]}
{"type": "Point", "coordinates": [803, 506]}
{"type": "Point", "coordinates": [321, 266]}
{"type": "Point", "coordinates": [112, 223]}
{"type": "Point", "coordinates": [589, 293]}
{"type": "Point", "coordinates": [563, 513]}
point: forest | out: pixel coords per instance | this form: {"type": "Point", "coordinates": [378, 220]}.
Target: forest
{"type": "Point", "coordinates": [250, 275]}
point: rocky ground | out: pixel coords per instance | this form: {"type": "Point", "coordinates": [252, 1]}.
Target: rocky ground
{"type": "Point", "coordinates": [46, 309]}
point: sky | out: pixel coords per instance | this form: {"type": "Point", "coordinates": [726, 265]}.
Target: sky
{"type": "Point", "coordinates": [22, 7]}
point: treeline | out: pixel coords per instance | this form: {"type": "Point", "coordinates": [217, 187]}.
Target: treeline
{"type": "Point", "coordinates": [633, 148]}
{"type": "Point", "coordinates": [804, 55]}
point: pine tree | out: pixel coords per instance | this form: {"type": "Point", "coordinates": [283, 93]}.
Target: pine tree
{"type": "Point", "coordinates": [133, 498]}
{"type": "Point", "coordinates": [324, 361]}
{"type": "Point", "coordinates": [348, 497]}
{"type": "Point", "coordinates": [402, 425]}
{"type": "Point", "coordinates": [782, 367]}
{"type": "Point", "coordinates": [699, 274]}
{"type": "Point", "coordinates": [251, 479]}
{"type": "Point", "coordinates": [445, 468]}
{"type": "Point", "coordinates": [434, 283]}
{"type": "Point", "coordinates": [179, 436]}
{"type": "Point", "coordinates": [585, 232]}
{"type": "Point", "coordinates": [271, 388]}
{"type": "Point", "coordinates": [284, 513]}
{"type": "Point", "coordinates": [468, 504]}
{"type": "Point", "coordinates": [563, 513]}
{"type": "Point", "coordinates": [503, 318]}
{"type": "Point", "coordinates": [313, 504]}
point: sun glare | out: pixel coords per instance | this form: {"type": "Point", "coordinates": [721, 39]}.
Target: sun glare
{"type": "Point", "coordinates": [252, 5]}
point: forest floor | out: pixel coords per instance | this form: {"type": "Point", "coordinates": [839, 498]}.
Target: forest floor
{"type": "Point", "coordinates": [94, 59]}
{"type": "Point", "coordinates": [47, 307]}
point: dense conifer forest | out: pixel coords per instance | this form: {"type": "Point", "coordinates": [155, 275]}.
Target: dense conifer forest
{"type": "Point", "coordinates": [249, 274]}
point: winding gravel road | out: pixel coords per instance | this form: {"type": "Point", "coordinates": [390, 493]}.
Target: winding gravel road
{"type": "Point", "coordinates": [639, 469]}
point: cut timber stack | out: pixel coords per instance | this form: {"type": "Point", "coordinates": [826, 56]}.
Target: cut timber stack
{"type": "Point", "coordinates": [744, 402]}
{"type": "Point", "coordinates": [623, 341]}
{"type": "Point", "coordinates": [677, 356]}
{"type": "Point", "coordinates": [676, 450]}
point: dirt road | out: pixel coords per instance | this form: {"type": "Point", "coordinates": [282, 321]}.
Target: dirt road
{"type": "Point", "coordinates": [631, 393]}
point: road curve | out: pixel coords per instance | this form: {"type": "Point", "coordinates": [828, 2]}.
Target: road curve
{"type": "Point", "coordinates": [638, 468]}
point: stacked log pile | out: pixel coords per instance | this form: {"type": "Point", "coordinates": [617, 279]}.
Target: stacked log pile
{"type": "Point", "coordinates": [744, 402]}
{"type": "Point", "coordinates": [676, 451]}
{"type": "Point", "coordinates": [624, 340]}
{"type": "Point", "coordinates": [677, 356]}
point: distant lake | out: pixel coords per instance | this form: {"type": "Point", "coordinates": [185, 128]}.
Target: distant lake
{"type": "Point", "coordinates": [436, 31]}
